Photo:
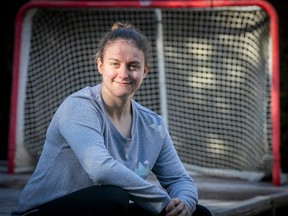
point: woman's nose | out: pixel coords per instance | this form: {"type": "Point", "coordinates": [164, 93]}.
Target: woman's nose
{"type": "Point", "coordinates": [123, 72]}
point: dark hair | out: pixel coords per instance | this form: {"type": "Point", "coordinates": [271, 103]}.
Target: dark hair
{"type": "Point", "coordinates": [125, 31]}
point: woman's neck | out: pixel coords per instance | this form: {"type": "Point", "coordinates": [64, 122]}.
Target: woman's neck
{"type": "Point", "coordinates": [120, 112]}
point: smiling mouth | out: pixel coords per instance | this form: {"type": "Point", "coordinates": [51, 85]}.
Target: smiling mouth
{"type": "Point", "coordinates": [123, 83]}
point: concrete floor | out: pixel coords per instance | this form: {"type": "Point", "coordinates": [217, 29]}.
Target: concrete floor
{"type": "Point", "coordinates": [10, 189]}
{"type": "Point", "coordinates": [11, 186]}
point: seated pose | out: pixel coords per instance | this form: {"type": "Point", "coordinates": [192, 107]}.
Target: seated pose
{"type": "Point", "coordinates": [101, 145]}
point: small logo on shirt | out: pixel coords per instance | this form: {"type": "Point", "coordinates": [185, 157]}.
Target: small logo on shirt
{"type": "Point", "coordinates": [142, 169]}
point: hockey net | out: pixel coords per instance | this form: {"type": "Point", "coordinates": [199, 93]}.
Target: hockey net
{"type": "Point", "coordinates": [210, 79]}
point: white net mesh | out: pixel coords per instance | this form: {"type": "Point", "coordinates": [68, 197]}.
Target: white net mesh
{"type": "Point", "coordinates": [216, 75]}
{"type": "Point", "coordinates": [218, 87]}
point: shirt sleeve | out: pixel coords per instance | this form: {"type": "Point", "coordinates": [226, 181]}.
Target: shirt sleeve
{"type": "Point", "coordinates": [172, 175]}
{"type": "Point", "coordinates": [81, 125]}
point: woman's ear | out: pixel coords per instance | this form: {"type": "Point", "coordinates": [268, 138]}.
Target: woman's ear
{"type": "Point", "coordinates": [99, 66]}
{"type": "Point", "coordinates": [146, 69]}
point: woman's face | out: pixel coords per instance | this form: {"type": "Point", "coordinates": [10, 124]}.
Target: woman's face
{"type": "Point", "coordinates": [122, 69]}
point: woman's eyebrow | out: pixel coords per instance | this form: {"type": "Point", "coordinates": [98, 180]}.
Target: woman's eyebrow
{"type": "Point", "coordinates": [132, 62]}
{"type": "Point", "coordinates": [135, 62]}
{"type": "Point", "coordinates": [113, 59]}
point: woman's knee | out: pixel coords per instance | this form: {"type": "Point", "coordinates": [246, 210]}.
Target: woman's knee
{"type": "Point", "coordinates": [112, 199]}
{"type": "Point", "coordinates": [107, 193]}
{"type": "Point", "coordinates": [94, 200]}
{"type": "Point", "coordinates": [202, 211]}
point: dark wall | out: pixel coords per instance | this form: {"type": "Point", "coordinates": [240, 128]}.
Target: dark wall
{"type": "Point", "coordinates": [7, 21]}
{"type": "Point", "coordinates": [7, 17]}
{"type": "Point", "coordinates": [281, 7]}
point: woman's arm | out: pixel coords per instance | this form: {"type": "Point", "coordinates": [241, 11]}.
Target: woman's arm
{"type": "Point", "coordinates": [173, 177]}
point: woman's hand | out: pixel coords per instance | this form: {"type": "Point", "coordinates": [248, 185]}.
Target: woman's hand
{"type": "Point", "coordinates": [176, 208]}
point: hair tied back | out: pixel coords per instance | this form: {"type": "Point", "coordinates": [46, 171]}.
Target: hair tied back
{"type": "Point", "coordinates": [119, 25]}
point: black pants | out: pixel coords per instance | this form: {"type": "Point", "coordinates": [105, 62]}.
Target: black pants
{"type": "Point", "coordinates": [100, 201]}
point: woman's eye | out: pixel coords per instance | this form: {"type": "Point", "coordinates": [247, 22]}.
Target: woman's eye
{"type": "Point", "coordinates": [115, 64]}
{"type": "Point", "coordinates": [134, 67]}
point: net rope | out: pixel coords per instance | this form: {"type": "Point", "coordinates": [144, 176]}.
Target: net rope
{"type": "Point", "coordinates": [217, 87]}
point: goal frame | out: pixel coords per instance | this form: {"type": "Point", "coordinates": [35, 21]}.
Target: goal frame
{"type": "Point", "coordinates": [267, 7]}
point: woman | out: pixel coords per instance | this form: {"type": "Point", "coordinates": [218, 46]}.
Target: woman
{"type": "Point", "coordinates": [101, 145]}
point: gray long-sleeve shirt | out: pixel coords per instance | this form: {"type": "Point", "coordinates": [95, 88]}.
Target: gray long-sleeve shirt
{"type": "Point", "coordinates": [84, 148]}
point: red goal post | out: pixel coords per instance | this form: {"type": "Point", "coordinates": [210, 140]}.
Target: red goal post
{"type": "Point", "coordinates": [214, 77]}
